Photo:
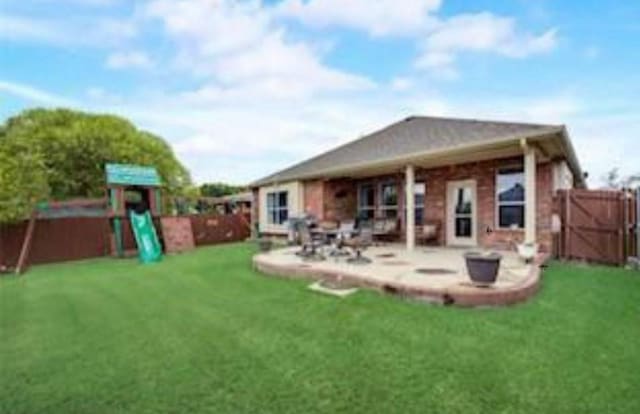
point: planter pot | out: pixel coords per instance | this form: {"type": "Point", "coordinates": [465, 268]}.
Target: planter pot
{"type": "Point", "coordinates": [265, 245]}
{"type": "Point", "coordinates": [483, 269]}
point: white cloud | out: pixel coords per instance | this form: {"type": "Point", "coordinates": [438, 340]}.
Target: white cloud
{"type": "Point", "coordinates": [435, 60]}
{"type": "Point", "coordinates": [486, 32]}
{"type": "Point", "coordinates": [239, 140]}
{"type": "Point", "coordinates": [129, 59]}
{"type": "Point", "coordinates": [480, 33]}
{"type": "Point", "coordinates": [32, 94]}
{"type": "Point", "coordinates": [29, 29]}
{"type": "Point", "coordinates": [604, 141]}
{"type": "Point", "coordinates": [94, 32]}
{"type": "Point", "coordinates": [378, 18]}
{"type": "Point", "coordinates": [441, 40]}
{"type": "Point", "coordinates": [400, 84]}
{"type": "Point", "coordinates": [252, 97]}
{"type": "Point", "coordinates": [283, 66]}
{"type": "Point", "coordinates": [211, 27]}
{"type": "Point", "coordinates": [238, 48]}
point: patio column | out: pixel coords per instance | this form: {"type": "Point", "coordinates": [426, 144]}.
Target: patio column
{"type": "Point", "coordinates": [529, 193]}
{"type": "Point", "coordinates": [410, 203]}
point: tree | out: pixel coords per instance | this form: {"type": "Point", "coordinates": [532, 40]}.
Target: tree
{"type": "Point", "coordinates": [71, 148]}
{"type": "Point", "coordinates": [23, 181]}
{"type": "Point", "coordinates": [219, 189]}
{"type": "Point", "coordinates": [614, 180]}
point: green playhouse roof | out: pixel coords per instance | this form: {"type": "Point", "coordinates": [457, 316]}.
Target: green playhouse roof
{"type": "Point", "coordinates": [126, 174]}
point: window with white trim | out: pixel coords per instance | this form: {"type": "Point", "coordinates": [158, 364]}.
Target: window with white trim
{"type": "Point", "coordinates": [277, 207]}
{"type": "Point", "coordinates": [419, 191]}
{"type": "Point", "coordinates": [389, 200]}
{"type": "Point", "coordinates": [510, 189]}
{"type": "Point", "coordinates": [366, 201]}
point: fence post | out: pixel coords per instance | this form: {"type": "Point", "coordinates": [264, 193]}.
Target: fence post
{"type": "Point", "coordinates": [567, 224]}
{"type": "Point", "coordinates": [622, 196]}
{"type": "Point", "coordinates": [638, 222]}
{"type": "Point", "coordinates": [1, 247]}
{"type": "Point", "coordinates": [26, 244]}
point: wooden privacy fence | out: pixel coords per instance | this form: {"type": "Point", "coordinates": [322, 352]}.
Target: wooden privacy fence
{"type": "Point", "coordinates": [64, 239]}
{"type": "Point", "coordinates": [213, 229]}
{"type": "Point", "coordinates": [56, 240]}
{"type": "Point", "coordinates": [597, 225]}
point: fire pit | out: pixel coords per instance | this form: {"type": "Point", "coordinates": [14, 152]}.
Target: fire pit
{"type": "Point", "coordinates": [483, 268]}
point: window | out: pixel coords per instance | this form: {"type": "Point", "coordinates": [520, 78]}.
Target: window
{"type": "Point", "coordinates": [277, 207]}
{"type": "Point", "coordinates": [510, 197]}
{"type": "Point", "coordinates": [463, 214]}
{"type": "Point", "coordinates": [419, 193]}
{"type": "Point", "coordinates": [389, 200]}
{"type": "Point", "coordinates": [366, 201]}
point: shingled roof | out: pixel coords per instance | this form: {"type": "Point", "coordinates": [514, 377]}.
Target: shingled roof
{"type": "Point", "coordinates": [410, 136]}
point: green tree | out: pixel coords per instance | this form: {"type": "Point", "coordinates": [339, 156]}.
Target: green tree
{"type": "Point", "coordinates": [23, 181]}
{"type": "Point", "coordinates": [71, 148]}
{"type": "Point", "coordinates": [614, 180]}
{"type": "Point", "coordinates": [219, 189]}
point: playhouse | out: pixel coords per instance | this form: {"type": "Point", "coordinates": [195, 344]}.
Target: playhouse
{"type": "Point", "coordinates": [133, 192]}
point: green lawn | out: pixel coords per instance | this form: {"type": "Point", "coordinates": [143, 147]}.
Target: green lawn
{"type": "Point", "coordinates": [203, 332]}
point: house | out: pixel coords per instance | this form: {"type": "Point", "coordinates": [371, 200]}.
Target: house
{"type": "Point", "coordinates": [485, 183]}
{"type": "Point", "coordinates": [233, 203]}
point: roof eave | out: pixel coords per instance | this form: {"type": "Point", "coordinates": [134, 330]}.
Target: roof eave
{"type": "Point", "coordinates": [572, 159]}
{"type": "Point", "coordinates": [552, 130]}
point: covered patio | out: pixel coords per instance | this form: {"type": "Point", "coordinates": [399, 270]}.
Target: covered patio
{"type": "Point", "coordinates": [438, 181]}
{"type": "Point", "coordinates": [434, 274]}
{"type": "Point", "coordinates": [494, 198]}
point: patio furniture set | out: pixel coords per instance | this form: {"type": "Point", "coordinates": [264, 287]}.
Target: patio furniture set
{"type": "Point", "coordinates": [343, 240]}
{"type": "Point", "coordinates": [348, 238]}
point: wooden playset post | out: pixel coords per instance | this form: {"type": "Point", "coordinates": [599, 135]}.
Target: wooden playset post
{"type": "Point", "coordinates": [116, 198]}
{"type": "Point", "coordinates": [26, 244]}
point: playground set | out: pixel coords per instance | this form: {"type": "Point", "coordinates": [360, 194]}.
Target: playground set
{"type": "Point", "coordinates": [132, 192]}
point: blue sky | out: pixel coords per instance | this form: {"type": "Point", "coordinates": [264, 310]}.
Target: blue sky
{"type": "Point", "coordinates": [243, 88]}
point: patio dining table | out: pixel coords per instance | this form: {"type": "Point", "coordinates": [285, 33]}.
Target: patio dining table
{"type": "Point", "coordinates": [332, 234]}
{"type": "Point", "coordinates": [333, 238]}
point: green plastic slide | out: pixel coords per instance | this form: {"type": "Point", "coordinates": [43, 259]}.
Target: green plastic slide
{"type": "Point", "coordinates": [149, 248]}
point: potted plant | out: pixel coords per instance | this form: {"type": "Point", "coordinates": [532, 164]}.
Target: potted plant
{"type": "Point", "coordinates": [483, 268]}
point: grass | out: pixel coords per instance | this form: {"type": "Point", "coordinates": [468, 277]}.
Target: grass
{"type": "Point", "coordinates": [203, 332]}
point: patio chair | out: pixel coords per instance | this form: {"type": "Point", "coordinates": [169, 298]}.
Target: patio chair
{"type": "Point", "coordinates": [428, 233]}
{"type": "Point", "coordinates": [344, 232]}
{"type": "Point", "coordinates": [385, 229]}
{"type": "Point", "coordinates": [358, 243]}
{"type": "Point", "coordinates": [346, 228]}
{"type": "Point", "coordinates": [310, 243]}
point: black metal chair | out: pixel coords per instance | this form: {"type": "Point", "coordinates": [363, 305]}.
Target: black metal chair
{"type": "Point", "coordinates": [311, 244]}
{"type": "Point", "coordinates": [359, 243]}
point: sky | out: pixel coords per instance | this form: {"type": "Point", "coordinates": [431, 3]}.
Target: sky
{"type": "Point", "coordinates": [243, 88]}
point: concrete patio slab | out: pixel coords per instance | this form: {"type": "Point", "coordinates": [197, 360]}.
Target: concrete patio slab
{"type": "Point", "coordinates": [434, 274]}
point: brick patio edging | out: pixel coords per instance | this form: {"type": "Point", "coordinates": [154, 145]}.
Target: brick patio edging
{"type": "Point", "coordinates": [460, 295]}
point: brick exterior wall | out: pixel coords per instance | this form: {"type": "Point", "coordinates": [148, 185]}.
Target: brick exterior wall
{"type": "Point", "coordinates": [314, 198]}
{"type": "Point", "coordinates": [338, 199]}
{"type": "Point", "coordinates": [485, 175]}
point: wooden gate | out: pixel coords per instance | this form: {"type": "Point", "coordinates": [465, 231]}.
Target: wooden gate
{"type": "Point", "coordinates": [596, 225]}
